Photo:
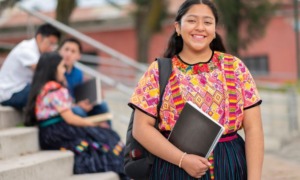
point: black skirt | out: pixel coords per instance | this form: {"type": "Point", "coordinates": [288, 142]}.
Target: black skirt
{"type": "Point", "coordinates": [229, 163]}
{"type": "Point", "coordinates": [96, 149]}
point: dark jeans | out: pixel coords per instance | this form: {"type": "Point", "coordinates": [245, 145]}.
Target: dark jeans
{"type": "Point", "coordinates": [97, 109]}
{"type": "Point", "coordinates": [18, 99]}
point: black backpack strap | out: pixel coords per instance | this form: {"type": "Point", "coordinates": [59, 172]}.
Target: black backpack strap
{"type": "Point", "coordinates": [165, 70]}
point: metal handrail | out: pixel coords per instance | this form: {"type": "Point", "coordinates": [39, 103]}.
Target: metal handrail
{"type": "Point", "coordinates": [84, 38]}
{"type": "Point", "coordinates": [104, 78]}
{"type": "Point", "coordinates": [7, 46]}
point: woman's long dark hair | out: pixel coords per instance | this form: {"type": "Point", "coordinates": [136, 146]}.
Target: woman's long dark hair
{"type": "Point", "coordinates": [175, 44]}
{"type": "Point", "coordinates": [46, 71]}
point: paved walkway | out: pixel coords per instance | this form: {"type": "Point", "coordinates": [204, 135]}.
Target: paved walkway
{"type": "Point", "coordinates": [284, 164]}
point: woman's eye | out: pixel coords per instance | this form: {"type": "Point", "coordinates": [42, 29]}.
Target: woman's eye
{"type": "Point", "coordinates": [208, 22]}
{"type": "Point", "coordinates": [191, 21]}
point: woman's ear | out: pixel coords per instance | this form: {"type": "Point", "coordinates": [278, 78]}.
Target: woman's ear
{"type": "Point", "coordinates": [177, 28]}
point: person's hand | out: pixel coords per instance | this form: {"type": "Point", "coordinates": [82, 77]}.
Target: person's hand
{"type": "Point", "coordinates": [194, 165]}
{"type": "Point", "coordinates": [104, 125]}
{"type": "Point", "coordinates": [85, 105]}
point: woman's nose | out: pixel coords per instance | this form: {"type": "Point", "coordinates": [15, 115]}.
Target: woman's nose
{"type": "Point", "coordinates": [200, 26]}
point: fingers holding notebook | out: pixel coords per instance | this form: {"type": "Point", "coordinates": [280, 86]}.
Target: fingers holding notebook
{"type": "Point", "coordinates": [195, 165]}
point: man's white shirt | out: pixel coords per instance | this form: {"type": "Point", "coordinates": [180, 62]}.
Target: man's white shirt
{"type": "Point", "coordinates": [16, 71]}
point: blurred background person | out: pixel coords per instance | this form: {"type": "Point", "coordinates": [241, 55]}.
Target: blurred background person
{"type": "Point", "coordinates": [17, 70]}
{"type": "Point", "coordinates": [96, 149]}
{"type": "Point", "coordinates": [71, 50]}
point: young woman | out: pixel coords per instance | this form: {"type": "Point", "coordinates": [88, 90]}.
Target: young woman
{"type": "Point", "coordinates": [200, 74]}
{"type": "Point", "coordinates": [96, 149]}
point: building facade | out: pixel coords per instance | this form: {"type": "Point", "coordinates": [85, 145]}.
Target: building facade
{"type": "Point", "coordinates": [271, 59]}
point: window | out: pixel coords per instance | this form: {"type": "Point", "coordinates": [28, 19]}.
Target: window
{"type": "Point", "coordinates": [258, 65]}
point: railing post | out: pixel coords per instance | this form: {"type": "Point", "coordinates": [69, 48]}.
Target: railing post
{"type": "Point", "coordinates": [293, 110]}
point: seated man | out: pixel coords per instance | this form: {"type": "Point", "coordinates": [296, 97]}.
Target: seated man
{"type": "Point", "coordinates": [17, 70]}
{"type": "Point", "coordinates": [71, 50]}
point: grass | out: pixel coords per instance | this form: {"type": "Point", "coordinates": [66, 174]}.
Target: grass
{"type": "Point", "coordinates": [284, 87]}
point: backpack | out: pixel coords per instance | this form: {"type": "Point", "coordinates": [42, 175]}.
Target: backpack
{"type": "Point", "coordinates": [137, 160]}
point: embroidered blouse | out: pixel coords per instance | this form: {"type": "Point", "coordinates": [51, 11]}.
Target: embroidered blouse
{"type": "Point", "coordinates": [52, 100]}
{"type": "Point", "coordinates": [202, 83]}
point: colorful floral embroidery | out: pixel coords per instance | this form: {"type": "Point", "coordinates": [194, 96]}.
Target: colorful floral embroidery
{"type": "Point", "coordinates": [207, 90]}
{"type": "Point", "coordinates": [200, 67]}
{"type": "Point", "coordinates": [81, 147]}
{"type": "Point", "coordinates": [52, 97]}
{"type": "Point", "coordinates": [118, 148]}
{"type": "Point", "coordinates": [105, 148]}
{"type": "Point", "coordinates": [95, 145]}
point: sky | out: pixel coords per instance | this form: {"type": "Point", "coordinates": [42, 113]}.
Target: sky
{"type": "Point", "coordinates": [49, 5]}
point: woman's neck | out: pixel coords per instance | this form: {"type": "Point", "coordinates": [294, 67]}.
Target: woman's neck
{"type": "Point", "coordinates": [195, 57]}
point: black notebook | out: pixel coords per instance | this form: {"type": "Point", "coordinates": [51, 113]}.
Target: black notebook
{"type": "Point", "coordinates": [195, 132]}
{"type": "Point", "coordinates": [90, 90]}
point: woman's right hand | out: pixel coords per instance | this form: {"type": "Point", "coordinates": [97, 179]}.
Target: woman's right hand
{"type": "Point", "coordinates": [194, 165]}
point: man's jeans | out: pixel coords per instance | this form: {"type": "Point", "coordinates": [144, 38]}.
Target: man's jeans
{"type": "Point", "coordinates": [18, 99]}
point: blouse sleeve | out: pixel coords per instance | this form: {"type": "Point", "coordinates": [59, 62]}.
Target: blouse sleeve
{"type": "Point", "coordinates": [60, 100]}
{"type": "Point", "coordinates": [247, 84]}
{"type": "Point", "coordinates": [146, 94]}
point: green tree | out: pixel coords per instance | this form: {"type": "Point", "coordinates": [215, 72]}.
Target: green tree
{"type": "Point", "coordinates": [148, 19]}
{"type": "Point", "coordinates": [253, 16]}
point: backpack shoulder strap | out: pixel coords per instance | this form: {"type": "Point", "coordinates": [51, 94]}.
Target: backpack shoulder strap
{"type": "Point", "coordinates": [165, 70]}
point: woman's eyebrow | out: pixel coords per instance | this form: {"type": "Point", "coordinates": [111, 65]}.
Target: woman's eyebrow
{"type": "Point", "coordinates": [196, 16]}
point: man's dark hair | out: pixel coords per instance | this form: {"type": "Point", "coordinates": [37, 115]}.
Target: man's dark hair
{"type": "Point", "coordinates": [48, 30]}
{"type": "Point", "coordinates": [72, 40]}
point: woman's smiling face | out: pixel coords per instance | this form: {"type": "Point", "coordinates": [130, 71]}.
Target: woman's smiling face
{"type": "Point", "coordinates": [197, 28]}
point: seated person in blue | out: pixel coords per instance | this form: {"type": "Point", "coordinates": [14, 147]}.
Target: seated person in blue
{"type": "Point", "coordinates": [71, 50]}
{"type": "Point", "coordinates": [96, 149]}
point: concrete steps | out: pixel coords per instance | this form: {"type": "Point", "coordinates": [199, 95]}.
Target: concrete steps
{"type": "Point", "coordinates": [18, 141]}
{"type": "Point", "coordinates": [9, 117]}
{"type": "Point", "coordinates": [22, 159]}
{"type": "Point", "coordinates": [96, 176]}
{"type": "Point", "coordinates": [117, 102]}
{"type": "Point", "coordinates": [46, 165]}
{"type": "Point", "coordinates": [43, 165]}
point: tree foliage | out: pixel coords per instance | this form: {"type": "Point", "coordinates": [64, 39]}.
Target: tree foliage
{"type": "Point", "coordinates": [253, 16]}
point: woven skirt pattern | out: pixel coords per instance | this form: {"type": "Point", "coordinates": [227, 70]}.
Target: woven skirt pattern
{"type": "Point", "coordinates": [229, 164]}
{"type": "Point", "coordinates": [96, 149]}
